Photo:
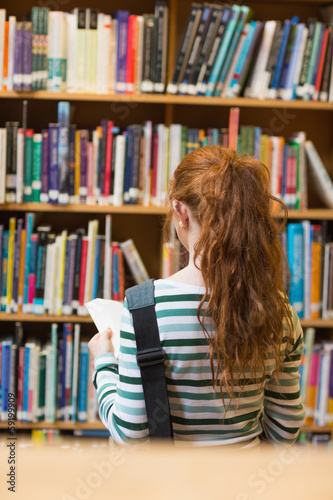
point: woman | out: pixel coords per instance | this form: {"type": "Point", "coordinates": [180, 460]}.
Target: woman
{"type": "Point", "coordinates": [231, 340]}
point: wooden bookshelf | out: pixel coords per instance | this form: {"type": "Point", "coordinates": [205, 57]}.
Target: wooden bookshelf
{"type": "Point", "coordinates": [130, 220]}
{"type": "Point", "coordinates": [241, 102]}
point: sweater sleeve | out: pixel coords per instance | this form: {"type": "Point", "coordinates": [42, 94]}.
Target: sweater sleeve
{"type": "Point", "coordinates": [119, 388]}
{"type": "Point", "coordinates": [284, 412]}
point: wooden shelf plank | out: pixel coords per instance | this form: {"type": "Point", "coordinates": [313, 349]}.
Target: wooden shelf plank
{"type": "Point", "coordinates": [169, 99]}
{"type": "Point", "coordinates": [56, 425]}
{"type": "Point", "coordinates": [44, 318]}
{"type": "Point", "coordinates": [95, 209]}
{"type": "Point", "coordinates": [314, 213]}
{"type": "Point", "coordinates": [317, 323]}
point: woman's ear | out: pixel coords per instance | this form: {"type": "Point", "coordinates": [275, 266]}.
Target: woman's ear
{"type": "Point", "coordinates": [181, 212]}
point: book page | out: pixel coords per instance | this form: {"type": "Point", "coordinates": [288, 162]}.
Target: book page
{"type": "Point", "coordinates": [107, 314]}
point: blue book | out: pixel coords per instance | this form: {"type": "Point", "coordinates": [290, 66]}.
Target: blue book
{"type": "Point", "coordinates": [287, 55]}
{"type": "Point", "coordinates": [17, 257]}
{"type": "Point", "coordinates": [295, 255]}
{"type": "Point", "coordinates": [29, 220]}
{"type": "Point", "coordinates": [53, 163]}
{"type": "Point", "coordinates": [61, 379]}
{"type": "Point", "coordinates": [63, 152]}
{"type": "Point", "coordinates": [5, 377]}
{"type": "Point", "coordinates": [234, 84]}
{"type": "Point", "coordinates": [26, 384]}
{"type": "Point", "coordinates": [279, 64]}
{"type": "Point", "coordinates": [243, 16]}
{"type": "Point", "coordinates": [222, 53]}
{"type": "Point", "coordinates": [83, 382]}
{"type": "Point", "coordinates": [4, 268]}
{"type": "Point", "coordinates": [289, 90]}
{"type": "Point", "coordinates": [95, 274]}
{"type": "Point", "coordinates": [122, 29]}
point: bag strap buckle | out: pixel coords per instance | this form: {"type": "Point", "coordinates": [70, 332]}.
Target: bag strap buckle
{"type": "Point", "coordinates": [150, 357]}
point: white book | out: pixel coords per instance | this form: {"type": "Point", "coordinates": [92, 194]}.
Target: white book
{"type": "Point", "coordinates": [20, 166]}
{"type": "Point", "coordinates": [260, 79]}
{"type": "Point", "coordinates": [165, 165]}
{"type": "Point", "coordinates": [106, 34]}
{"type": "Point", "coordinates": [75, 377]}
{"type": "Point", "coordinates": [118, 192]}
{"type": "Point", "coordinates": [321, 178]}
{"type": "Point", "coordinates": [99, 56]}
{"type": "Point", "coordinates": [275, 188]}
{"type": "Point", "coordinates": [92, 235]}
{"type": "Point", "coordinates": [80, 49]}
{"type": "Point", "coordinates": [107, 284]}
{"type": "Point", "coordinates": [322, 415]}
{"type": "Point", "coordinates": [70, 52]}
{"type": "Point", "coordinates": [139, 55]}
{"type": "Point", "coordinates": [174, 148]}
{"type": "Point", "coordinates": [56, 50]}
{"type": "Point", "coordinates": [48, 276]}
{"type": "Point", "coordinates": [3, 152]}
{"type": "Point", "coordinates": [11, 49]}
{"type": "Point", "coordinates": [91, 53]}
{"type": "Point", "coordinates": [2, 43]}
{"type": "Point", "coordinates": [307, 268]}
{"type": "Point", "coordinates": [113, 57]}
{"type": "Point", "coordinates": [147, 131]}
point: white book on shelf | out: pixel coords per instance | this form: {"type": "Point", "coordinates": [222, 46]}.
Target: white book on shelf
{"type": "Point", "coordinates": [321, 178]}
{"type": "Point", "coordinates": [118, 189]}
{"type": "Point", "coordinates": [3, 152]}
{"type": "Point", "coordinates": [99, 55]}
{"type": "Point", "coordinates": [113, 56]}
{"type": "Point", "coordinates": [174, 148]}
{"type": "Point", "coordinates": [70, 52]}
{"type": "Point", "coordinates": [80, 49]}
{"type": "Point", "coordinates": [11, 51]}
{"type": "Point", "coordinates": [322, 412]}
{"type": "Point", "coordinates": [139, 58]}
{"type": "Point", "coordinates": [148, 133]}
{"type": "Point", "coordinates": [106, 36]}
{"type": "Point", "coordinates": [92, 235]}
{"type": "Point", "coordinates": [20, 166]}
{"type": "Point", "coordinates": [49, 265]}
{"type": "Point", "coordinates": [260, 79]}
{"type": "Point", "coordinates": [299, 60]}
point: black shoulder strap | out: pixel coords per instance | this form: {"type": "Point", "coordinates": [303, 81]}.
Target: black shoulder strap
{"type": "Point", "coordinates": [150, 358]}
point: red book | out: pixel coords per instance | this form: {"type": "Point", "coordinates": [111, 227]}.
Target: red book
{"type": "Point", "coordinates": [321, 65]}
{"type": "Point", "coordinates": [233, 128]}
{"type": "Point", "coordinates": [108, 159]}
{"type": "Point", "coordinates": [83, 269]}
{"type": "Point", "coordinates": [131, 54]}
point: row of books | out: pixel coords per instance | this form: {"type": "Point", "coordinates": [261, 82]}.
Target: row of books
{"type": "Point", "coordinates": [316, 380]}
{"type": "Point", "coordinates": [85, 51]}
{"type": "Point", "coordinates": [309, 254]}
{"type": "Point", "coordinates": [45, 273]}
{"type": "Point", "coordinates": [52, 381]}
{"type": "Point", "coordinates": [108, 166]}
{"type": "Point", "coordinates": [224, 52]}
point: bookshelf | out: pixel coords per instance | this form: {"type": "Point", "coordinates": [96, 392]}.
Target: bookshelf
{"type": "Point", "coordinates": [144, 223]}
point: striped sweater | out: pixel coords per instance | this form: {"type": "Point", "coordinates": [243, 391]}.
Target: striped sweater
{"type": "Point", "coordinates": [274, 412]}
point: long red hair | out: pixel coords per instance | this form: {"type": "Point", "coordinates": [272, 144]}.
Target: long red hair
{"type": "Point", "coordinates": [240, 258]}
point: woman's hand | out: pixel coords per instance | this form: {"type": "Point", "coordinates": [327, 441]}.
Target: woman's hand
{"type": "Point", "coordinates": [101, 343]}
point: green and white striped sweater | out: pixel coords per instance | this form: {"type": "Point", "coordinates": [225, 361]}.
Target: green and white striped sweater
{"type": "Point", "coordinates": [197, 411]}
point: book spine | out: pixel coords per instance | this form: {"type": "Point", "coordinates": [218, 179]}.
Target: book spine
{"type": "Point", "coordinates": [42, 387]}
{"type": "Point", "coordinates": [26, 55]}
{"type": "Point", "coordinates": [75, 377]}
{"type": "Point", "coordinates": [325, 83]}
{"type": "Point", "coordinates": [172, 87]}
{"type": "Point", "coordinates": [83, 382]}
{"type": "Point", "coordinates": [63, 152]}
{"type": "Point", "coordinates": [71, 164]}
{"type": "Point", "coordinates": [108, 160]}
{"type": "Point", "coordinates": [19, 412]}
{"type": "Point", "coordinates": [61, 378]}
{"type": "Point", "coordinates": [18, 57]}
{"type": "Point", "coordinates": [83, 165]}
{"type": "Point", "coordinates": [68, 372]}
{"type": "Point", "coordinates": [122, 18]}
{"type": "Point", "coordinates": [107, 284]}
{"type": "Point", "coordinates": [162, 22]}
{"type": "Point", "coordinates": [80, 46]}
{"type": "Point", "coordinates": [32, 272]}
{"type": "Point", "coordinates": [134, 261]}
{"type": "Point", "coordinates": [149, 54]}
{"type": "Point", "coordinates": [36, 183]}
{"type": "Point", "coordinates": [83, 272]}
{"type": "Point", "coordinates": [38, 303]}
{"type": "Point", "coordinates": [44, 193]}
{"type": "Point", "coordinates": [17, 265]}
{"type": "Point", "coordinates": [11, 154]}
{"type": "Point", "coordinates": [53, 163]}
{"type": "Point", "coordinates": [12, 225]}
{"type": "Point", "coordinates": [295, 259]}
